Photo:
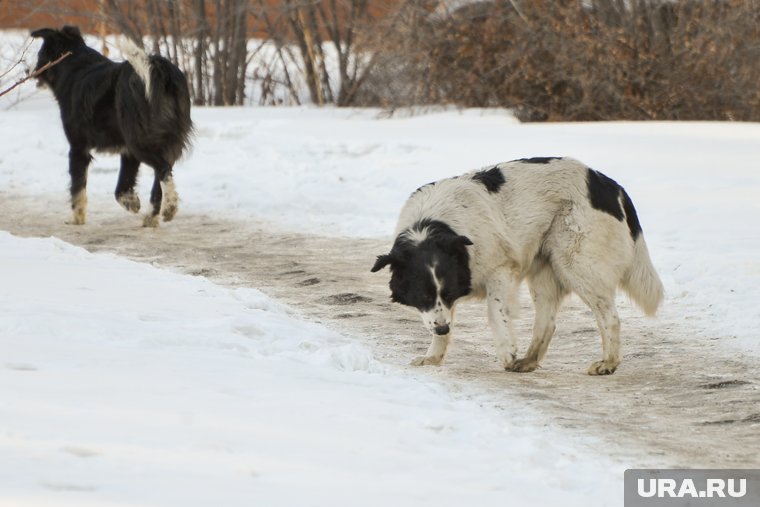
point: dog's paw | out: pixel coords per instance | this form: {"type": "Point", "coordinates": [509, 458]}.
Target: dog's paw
{"type": "Point", "coordinates": [78, 208]}
{"type": "Point", "coordinates": [129, 201]}
{"type": "Point", "coordinates": [170, 202]}
{"type": "Point", "coordinates": [523, 365]}
{"type": "Point", "coordinates": [602, 368]}
{"type": "Point", "coordinates": [76, 219]}
{"type": "Point", "coordinates": [427, 360]}
{"type": "Point", "coordinates": [169, 211]}
{"type": "Point", "coordinates": [150, 220]}
{"type": "Point", "coordinates": [506, 360]}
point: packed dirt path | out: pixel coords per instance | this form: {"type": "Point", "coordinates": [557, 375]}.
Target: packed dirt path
{"type": "Point", "coordinates": [675, 401]}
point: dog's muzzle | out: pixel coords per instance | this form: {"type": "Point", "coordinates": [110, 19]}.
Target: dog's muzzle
{"type": "Point", "coordinates": [442, 330]}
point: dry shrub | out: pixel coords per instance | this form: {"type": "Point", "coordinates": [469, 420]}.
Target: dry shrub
{"type": "Point", "coordinates": [582, 60]}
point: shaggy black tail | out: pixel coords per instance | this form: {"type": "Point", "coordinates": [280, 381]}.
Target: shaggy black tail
{"type": "Point", "coordinates": [165, 111]}
{"type": "Point", "coordinates": [169, 99]}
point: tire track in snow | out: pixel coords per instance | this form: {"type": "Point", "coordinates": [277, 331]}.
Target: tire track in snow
{"type": "Point", "coordinates": [675, 401]}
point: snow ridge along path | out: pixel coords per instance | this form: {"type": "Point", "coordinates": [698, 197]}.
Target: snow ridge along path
{"type": "Point", "coordinates": [676, 401]}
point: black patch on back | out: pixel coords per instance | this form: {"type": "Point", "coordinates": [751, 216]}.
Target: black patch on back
{"type": "Point", "coordinates": [537, 160]}
{"type": "Point", "coordinates": [604, 194]}
{"type": "Point", "coordinates": [492, 179]}
{"type": "Point", "coordinates": [630, 215]}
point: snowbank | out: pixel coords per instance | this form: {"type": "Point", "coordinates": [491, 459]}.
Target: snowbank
{"type": "Point", "coordinates": [121, 384]}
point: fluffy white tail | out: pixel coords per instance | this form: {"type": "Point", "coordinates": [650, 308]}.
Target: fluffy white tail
{"type": "Point", "coordinates": [641, 281]}
{"type": "Point", "coordinates": [139, 60]}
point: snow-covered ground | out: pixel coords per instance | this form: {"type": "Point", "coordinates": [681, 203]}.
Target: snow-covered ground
{"type": "Point", "coordinates": [696, 186]}
{"type": "Point", "coordinates": [121, 384]}
{"type": "Point", "coordinates": [124, 385]}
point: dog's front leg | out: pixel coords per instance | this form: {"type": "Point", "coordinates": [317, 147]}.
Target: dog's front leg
{"type": "Point", "coordinates": [79, 161]}
{"type": "Point", "coordinates": [436, 352]}
{"type": "Point", "coordinates": [439, 321]}
{"type": "Point", "coordinates": [501, 292]}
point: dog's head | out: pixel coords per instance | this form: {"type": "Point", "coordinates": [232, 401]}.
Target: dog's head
{"type": "Point", "coordinates": [430, 271]}
{"type": "Point", "coordinates": [54, 44]}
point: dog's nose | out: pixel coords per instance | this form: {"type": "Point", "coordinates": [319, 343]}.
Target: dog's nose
{"type": "Point", "coordinates": [442, 330]}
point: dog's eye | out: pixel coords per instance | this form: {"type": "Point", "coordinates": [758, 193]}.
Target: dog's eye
{"type": "Point", "coordinates": [428, 301]}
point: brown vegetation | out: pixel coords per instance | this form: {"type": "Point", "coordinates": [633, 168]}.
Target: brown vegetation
{"type": "Point", "coordinates": [587, 60]}
{"type": "Point", "coordinates": [545, 59]}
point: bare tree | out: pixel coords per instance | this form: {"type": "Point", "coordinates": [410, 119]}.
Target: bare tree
{"type": "Point", "coordinates": [199, 51]}
{"type": "Point", "coordinates": [207, 38]}
{"type": "Point", "coordinates": [273, 26]}
{"type": "Point", "coordinates": [323, 46]}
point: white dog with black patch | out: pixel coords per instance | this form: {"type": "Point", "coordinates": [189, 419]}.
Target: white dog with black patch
{"type": "Point", "coordinates": [553, 222]}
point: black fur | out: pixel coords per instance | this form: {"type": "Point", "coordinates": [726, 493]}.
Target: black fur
{"type": "Point", "coordinates": [104, 107]}
{"type": "Point", "coordinates": [424, 186]}
{"type": "Point", "coordinates": [631, 216]}
{"type": "Point", "coordinates": [411, 281]}
{"type": "Point", "coordinates": [492, 179]}
{"type": "Point", "coordinates": [537, 160]}
{"type": "Point", "coordinates": [604, 193]}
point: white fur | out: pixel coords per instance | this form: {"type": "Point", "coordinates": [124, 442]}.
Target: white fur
{"type": "Point", "coordinates": [170, 201]}
{"type": "Point", "coordinates": [439, 315]}
{"type": "Point", "coordinates": [539, 227]}
{"type": "Point", "coordinates": [169, 204]}
{"type": "Point", "coordinates": [139, 60]}
{"type": "Point", "coordinates": [435, 353]}
{"type": "Point", "coordinates": [130, 201]}
{"type": "Point", "coordinates": [501, 294]}
{"type": "Point", "coordinates": [79, 208]}
{"type": "Point", "coordinates": [416, 236]}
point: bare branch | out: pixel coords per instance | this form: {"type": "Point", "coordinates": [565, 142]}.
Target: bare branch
{"type": "Point", "coordinates": [19, 61]}
{"type": "Point", "coordinates": [36, 73]}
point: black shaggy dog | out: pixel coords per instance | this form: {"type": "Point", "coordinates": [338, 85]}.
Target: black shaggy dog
{"type": "Point", "coordinates": [139, 108]}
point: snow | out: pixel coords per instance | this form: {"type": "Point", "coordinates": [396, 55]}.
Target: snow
{"type": "Point", "coordinates": [347, 172]}
{"type": "Point", "coordinates": [122, 384]}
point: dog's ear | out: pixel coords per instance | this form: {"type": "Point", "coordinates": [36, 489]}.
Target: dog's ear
{"type": "Point", "coordinates": [457, 246]}
{"type": "Point", "coordinates": [44, 33]}
{"type": "Point", "coordinates": [463, 240]}
{"type": "Point", "coordinates": [382, 261]}
{"type": "Point", "coordinates": [71, 31]}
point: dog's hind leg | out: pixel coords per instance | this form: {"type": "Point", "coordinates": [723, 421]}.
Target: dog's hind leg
{"type": "Point", "coordinates": [171, 199]}
{"type": "Point", "coordinates": [503, 307]}
{"type": "Point", "coordinates": [609, 326]}
{"type": "Point", "coordinates": [590, 252]}
{"type": "Point", "coordinates": [156, 195]}
{"type": "Point", "coordinates": [547, 294]}
{"type": "Point", "coordinates": [163, 195]}
{"type": "Point", "coordinates": [125, 186]}
{"type": "Point", "coordinates": [591, 281]}
{"type": "Point", "coordinates": [79, 161]}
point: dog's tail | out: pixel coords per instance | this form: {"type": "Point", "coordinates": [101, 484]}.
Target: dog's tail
{"type": "Point", "coordinates": [168, 97]}
{"type": "Point", "coordinates": [140, 62]}
{"type": "Point", "coordinates": [641, 281]}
